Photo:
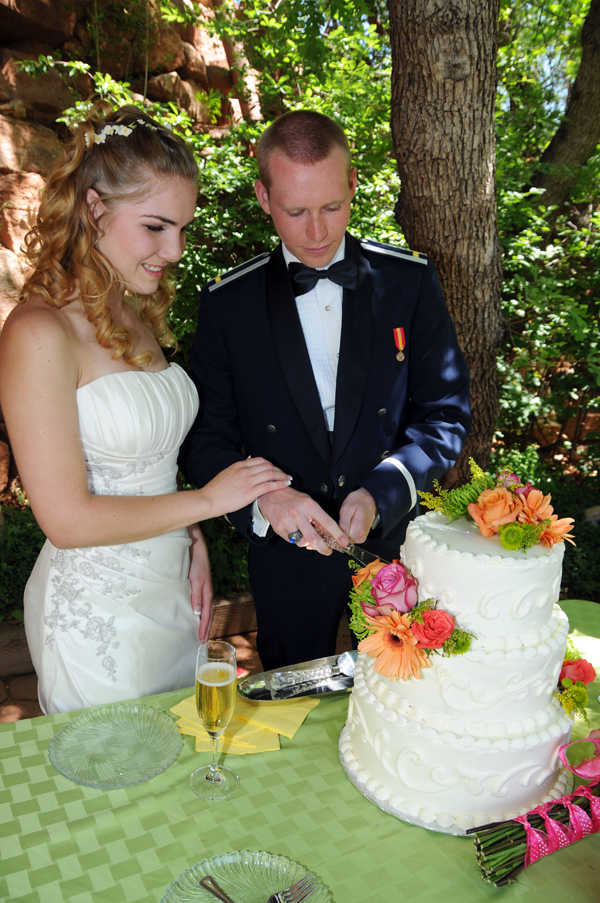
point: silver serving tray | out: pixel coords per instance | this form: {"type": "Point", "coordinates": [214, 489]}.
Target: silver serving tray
{"type": "Point", "coordinates": [322, 675]}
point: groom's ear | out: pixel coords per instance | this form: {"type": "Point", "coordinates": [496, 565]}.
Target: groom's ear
{"type": "Point", "coordinates": [262, 195]}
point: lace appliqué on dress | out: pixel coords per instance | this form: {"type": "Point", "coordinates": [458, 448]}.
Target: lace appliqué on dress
{"type": "Point", "coordinates": [71, 613]}
{"type": "Point", "coordinates": [104, 479]}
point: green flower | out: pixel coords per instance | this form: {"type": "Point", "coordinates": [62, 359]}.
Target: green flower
{"type": "Point", "coordinates": [458, 642]}
{"type": "Point", "coordinates": [511, 536]}
{"type": "Point", "coordinates": [579, 694]}
{"type": "Point", "coordinates": [516, 536]}
{"type": "Point", "coordinates": [574, 699]}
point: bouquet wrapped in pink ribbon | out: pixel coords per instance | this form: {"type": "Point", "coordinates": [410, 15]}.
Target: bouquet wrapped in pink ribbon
{"type": "Point", "coordinates": [504, 849]}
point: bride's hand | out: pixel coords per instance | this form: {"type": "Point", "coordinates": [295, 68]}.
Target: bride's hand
{"type": "Point", "coordinates": [201, 591]}
{"type": "Point", "coordinates": [241, 484]}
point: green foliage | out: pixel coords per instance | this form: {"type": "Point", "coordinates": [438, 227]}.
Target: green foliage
{"type": "Point", "coordinates": [20, 542]}
{"type": "Point", "coordinates": [550, 366]}
{"type": "Point", "coordinates": [454, 503]}
{"type": "Point", "coordinates": [572, 653]}
{"type": "Point", "coordinates": [351, 83]}
{"type": "Point", "coordinates": [417, 613]}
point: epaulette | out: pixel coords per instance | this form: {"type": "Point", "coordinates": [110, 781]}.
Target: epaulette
{"type": "Point", "coordinates": [391, 251]}
{"type": "Point", "coordinates": [241, 270]}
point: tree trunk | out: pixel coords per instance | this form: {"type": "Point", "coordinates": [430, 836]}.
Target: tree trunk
{"type": "Point", "coordinates": [443, 96]}
{"type": "Point", "coordinates": [578, 134]}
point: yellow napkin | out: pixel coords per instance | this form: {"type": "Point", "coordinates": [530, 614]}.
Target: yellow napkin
{"type": "Point", "coordinates": [254, 727]}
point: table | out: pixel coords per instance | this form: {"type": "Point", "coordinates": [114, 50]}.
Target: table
{"type": "Point", "coordinates": [63, 842]}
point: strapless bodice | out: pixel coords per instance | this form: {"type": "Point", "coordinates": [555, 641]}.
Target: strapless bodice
{"type": "Point", "coordinates": [114, 622]}
{"type": "Point", "coordinates": [131, 426]}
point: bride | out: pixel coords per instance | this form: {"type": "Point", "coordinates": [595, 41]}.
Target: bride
{"type": "Point", "coordinates": [96, 415]}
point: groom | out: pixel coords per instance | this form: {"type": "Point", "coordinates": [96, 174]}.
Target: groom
{"type": "Point", "coordinates": [335, 359]}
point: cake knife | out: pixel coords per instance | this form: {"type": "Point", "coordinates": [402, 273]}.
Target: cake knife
{"type": "Point", "coordinates": [357, 552]}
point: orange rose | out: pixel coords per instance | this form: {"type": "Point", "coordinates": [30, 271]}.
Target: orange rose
{"type": "Point", "coordinates": [369, 571]}
{"type": "Point", "coordinates": [493, 508]}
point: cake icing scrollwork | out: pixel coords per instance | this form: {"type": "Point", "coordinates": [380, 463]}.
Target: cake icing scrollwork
{"type": "Point", "coordinates": [530, 773]}
{"type": "Point", "coordinates": [461, 695]}
{"type": "Point", "coordinates": [414, 771]}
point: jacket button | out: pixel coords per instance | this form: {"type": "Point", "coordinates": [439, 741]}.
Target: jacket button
{"type": "Point", "coordinates": [271, 428]}
{"type": "Point", "coordinates": [341, 480]}
{"type": "Point", "coordinates": [324, 488]}
{"type": "Point", "coordinates": [385, 454]}
{"type": "Point", "coordinates": [382, 412]}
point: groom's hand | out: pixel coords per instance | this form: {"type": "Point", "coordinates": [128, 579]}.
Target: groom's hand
{"type": "Point", "coordinates": [357, 514]}
{"type": "Point", "coordinates": [288, 510]}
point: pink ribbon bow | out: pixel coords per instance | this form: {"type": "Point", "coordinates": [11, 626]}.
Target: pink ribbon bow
{"type": "Point", "coordinates": [589, 768]}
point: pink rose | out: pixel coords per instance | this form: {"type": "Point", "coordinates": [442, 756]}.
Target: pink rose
{"type": "Point", "coordinates": [394, 589]}
{"type": "Point", "coordinates": [435, 629]}
{"type": "Point", "coordinates": [523, 491]}
{"type": "Point", "coordinates": [580, 669]}
{"type": "Point", "coordinates": [508, 480]}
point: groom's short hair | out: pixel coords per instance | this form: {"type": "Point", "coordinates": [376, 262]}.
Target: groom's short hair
{"type": "Point", "coordinates": [304, 136]}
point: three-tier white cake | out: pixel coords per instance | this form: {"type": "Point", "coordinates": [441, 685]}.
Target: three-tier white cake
{"type": "Point", "coordinates": [476, 739]}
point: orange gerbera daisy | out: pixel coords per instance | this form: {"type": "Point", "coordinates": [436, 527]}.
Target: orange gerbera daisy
{"type": "Point", "coordinates": [557, 531]}
{"type": "Point", "coordinates": [537, 508]}
{"type": "Point", "coordinates": [394, 647]}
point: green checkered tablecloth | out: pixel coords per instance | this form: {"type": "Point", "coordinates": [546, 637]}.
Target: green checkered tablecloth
{"type": "Point", "coordinates": [63, 842]}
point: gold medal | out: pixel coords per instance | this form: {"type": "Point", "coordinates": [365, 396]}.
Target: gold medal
{"type": "Point", "coordinates": [400, 356]}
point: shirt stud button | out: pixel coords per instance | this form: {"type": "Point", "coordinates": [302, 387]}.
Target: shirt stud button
{"type": "Point", "coordinates": [271, 428]}
{"type": "Point", "coordinates": [385, 454]}
{"type": "Point", "coordinates": [324, 488]}
{"type": "Point", "coordinates": [382, 412]}
{"type": "Point", "coordinates": [341, 480]}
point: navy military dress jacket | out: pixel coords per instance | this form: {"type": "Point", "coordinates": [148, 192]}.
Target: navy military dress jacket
{"type": "Point", "coordinates": [259, 395]}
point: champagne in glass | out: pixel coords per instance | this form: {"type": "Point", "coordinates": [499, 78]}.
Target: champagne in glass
{"type": "Point", "coordinates": [215, 700]}
{"type": "Point", "coordinates": [215, 695]}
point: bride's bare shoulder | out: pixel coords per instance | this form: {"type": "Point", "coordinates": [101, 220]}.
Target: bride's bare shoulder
{"type": "Point", "coordinates": [35, 328]}
{"type": "Point", "coordinates": [34, 318]}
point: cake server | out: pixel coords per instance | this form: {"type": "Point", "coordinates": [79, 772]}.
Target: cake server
{"type": "Point", "coordinates": [322, 675]}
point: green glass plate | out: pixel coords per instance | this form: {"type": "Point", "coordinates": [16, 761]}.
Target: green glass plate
{"type": "Point", "coordinates": [115, 746]}
{"type": "Point", "coordinates": [246, 877]}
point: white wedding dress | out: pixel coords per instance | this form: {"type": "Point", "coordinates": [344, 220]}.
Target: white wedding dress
{"type": "Point", "coordinates": [110, 623]}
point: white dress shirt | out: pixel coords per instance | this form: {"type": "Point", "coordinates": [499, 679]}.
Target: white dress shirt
{"type": "Point", "coordinates": [320, 312]}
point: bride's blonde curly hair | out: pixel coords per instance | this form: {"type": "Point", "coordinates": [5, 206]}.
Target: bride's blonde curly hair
{"type": "Point", "coordinates": [61, 245]}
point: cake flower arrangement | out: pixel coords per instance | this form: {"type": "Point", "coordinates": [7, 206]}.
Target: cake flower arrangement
{"type": "Point", "coordinates": [576, 673]}
{"type": "Point", "coordinates": [518, 513]}
{"type": "Point", "coordinates": [393, 628]}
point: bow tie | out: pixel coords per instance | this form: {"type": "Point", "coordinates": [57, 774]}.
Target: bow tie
{"type": "Point", "coordinates": [304, 278]}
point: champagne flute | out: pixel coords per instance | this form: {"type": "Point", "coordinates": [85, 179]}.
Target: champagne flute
{"type": "Point", "coordinates": [216, 675]}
